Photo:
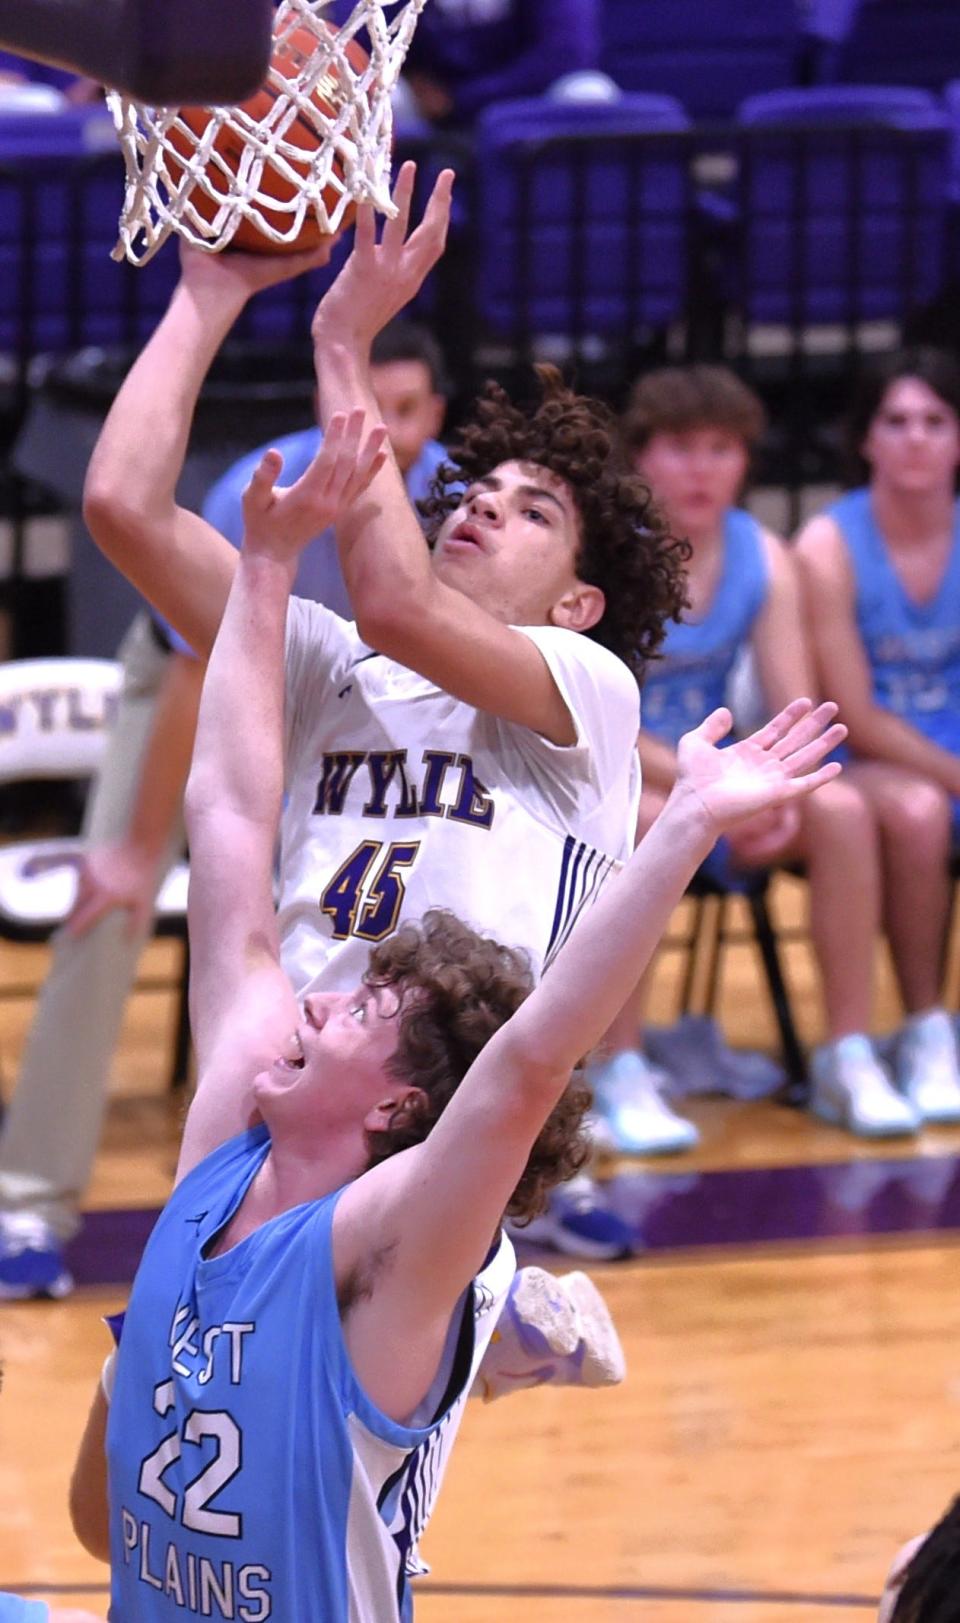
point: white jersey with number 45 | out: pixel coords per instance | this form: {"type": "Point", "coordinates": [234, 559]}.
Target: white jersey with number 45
{"type": "Point", "coordinates": [401, 798]}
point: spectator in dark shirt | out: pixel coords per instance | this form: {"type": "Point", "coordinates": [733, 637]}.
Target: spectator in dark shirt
{"type": "Point", "coordinates": [469, 53]}
{"type": "Point", "coordinates": [17, 72]}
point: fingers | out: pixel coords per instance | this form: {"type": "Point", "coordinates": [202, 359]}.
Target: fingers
{"type": "Point", "coordinates": [793, 788]}
{"type": "Point", "coordinates": [395, 230]}
{"type": "Point", "coordinates": [715, 727]}
{"type": "Point", "coordinates": [808, 727]}
{"type": "Point", "coordinates": [779, 726]}
{"type": "Point", "coordinates": [138, 917]}
{"type": "Point", "coordinates": [261, 487]}
{"type": "Point", "coordinates": [353, 452]}
{"type": "Point", "coordinates": [430, 237]}
{"type": "Point", "coordinates": [800, 761]}
{"type": "Point", "coordinates": [88, 909]}
{"type": "Point", "coordinates": [365, 231]}
{"type": "Point", "coordinates": [427, 241]}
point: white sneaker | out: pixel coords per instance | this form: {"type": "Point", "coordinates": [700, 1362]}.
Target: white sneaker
{"type": "Point", "coordinates": [927, 1067]}
{"type": "Point", "coordinates": [553, 1330]}
{"type": "Point", "coordinates": [849, 1087]}
{"type": "Point", "coordinates": [628, 1098]}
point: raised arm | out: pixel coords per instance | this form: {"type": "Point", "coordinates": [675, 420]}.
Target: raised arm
{"type": "Point", "coordinates": [241, 1004]}
{"type": "Point", "coordinates": [179, 562]}
{"type": "Point", "coordinates": [842, 666]}
{"type": "Point", "coordinates": [436, 1207]}
{"type": "Point", "coordinates": [400, 606]}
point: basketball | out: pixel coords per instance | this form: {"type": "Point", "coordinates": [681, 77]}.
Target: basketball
{"type": "Point", "coordinates": [290, 55]}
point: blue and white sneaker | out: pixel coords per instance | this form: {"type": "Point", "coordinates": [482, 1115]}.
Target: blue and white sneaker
{"type": "Point", "coordinates": [579, 1222]}
{"type": "Point", "coordinates": [31, 1259]}
{"type": "Point", "coordinates": [849, 1087]}
{"type": "Point", "coordinates": [553, 1331]}
{"type": "Point", "coordinates": [628, 1096]}
{"type": "Point", "coordinates": [928, 1066]}
{"type": "Point", "coordinates": [698, 1059]}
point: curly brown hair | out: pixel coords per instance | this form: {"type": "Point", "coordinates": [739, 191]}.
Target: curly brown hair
{"type": "Point", "coordinates": [465, 986]}
{"type": "Point", "coordinates": [626, 548]}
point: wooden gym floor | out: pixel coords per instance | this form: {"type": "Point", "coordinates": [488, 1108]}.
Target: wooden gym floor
{"type": "Point", "coordinates": [792, 1406]}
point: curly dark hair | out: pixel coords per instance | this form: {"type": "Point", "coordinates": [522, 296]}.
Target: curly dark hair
{"type": "Point", "coordinates": [929, 1587]}
{"type": "Point", "coordinates": [467, 986]}
{"type": "Point", "coordinates": [626, 548]}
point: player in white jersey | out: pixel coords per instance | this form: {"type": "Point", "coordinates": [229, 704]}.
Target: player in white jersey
{"type": "Point", "coordinates": [554, 536]}
{"type": "Point", "coordinates": [349, 1155]}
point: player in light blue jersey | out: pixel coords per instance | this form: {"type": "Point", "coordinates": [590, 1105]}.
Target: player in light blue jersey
{"type": "Point", "coordinates": [348, 1157]}
{"type": "Point", "coordinates": [881, 569]}
{"type": "Point", "coordinates": [691, 431]}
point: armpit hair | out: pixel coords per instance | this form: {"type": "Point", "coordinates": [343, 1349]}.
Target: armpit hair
{"type": "Point", "coordinates": [360, 1282]}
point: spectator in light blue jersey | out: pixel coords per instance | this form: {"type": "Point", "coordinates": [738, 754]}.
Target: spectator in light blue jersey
{"type": "Point", "coordinates": [407, 372]}
{"type": "Point", "coordinates": [691, 431]}
{"type": "Point", "coordinates": [881, 568]}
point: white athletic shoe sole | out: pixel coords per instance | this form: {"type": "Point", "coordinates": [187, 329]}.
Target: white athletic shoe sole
{"type": "Point", "coordinates": [568, 1311]}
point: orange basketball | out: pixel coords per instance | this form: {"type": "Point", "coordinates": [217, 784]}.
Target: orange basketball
{"type": "Point", "coordinates": [289, 56]}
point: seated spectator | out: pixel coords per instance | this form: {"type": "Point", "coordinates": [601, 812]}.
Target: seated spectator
{"type": "Point", "coordinates": [408, 377]}
{"type": "Point", "coordinates": [881, 570]}
{"type": "Point", "coordinates": [467, 54]}
{"type": "Point", "coordinates": [690, 432]}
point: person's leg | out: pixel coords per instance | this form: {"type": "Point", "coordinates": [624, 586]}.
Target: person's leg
{"type": "Point", "coordinates": [915, 818]}
{"type": "Point", "coordinates": [52, 1125]}
{"type": "Point", "coordinates": [631, 1112]}
{"type": "Point", "coordinates": [918, 828]}
{"type": "Point", "coordinates": [839, 846]}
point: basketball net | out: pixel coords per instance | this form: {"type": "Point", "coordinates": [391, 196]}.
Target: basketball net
{"type": "Point", "coordinates": [351, 162]}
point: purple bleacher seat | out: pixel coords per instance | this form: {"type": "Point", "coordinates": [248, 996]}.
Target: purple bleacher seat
{"type": "Point", "coordinates": [824, 104]}
{"type": "Point", "coordinates": [583, 214]}
{"type": "Point", "coordinates": [951, 102]}
{"type": "Point", "coordinates": [707, 54]}
{"type": "Point", "coordinates": [61, 186]}
{"type": "Point", "coordinates": [841, 203]}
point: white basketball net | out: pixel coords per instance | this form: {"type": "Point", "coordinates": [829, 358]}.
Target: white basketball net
{"type": "Point", "coordinates": [351, 162]}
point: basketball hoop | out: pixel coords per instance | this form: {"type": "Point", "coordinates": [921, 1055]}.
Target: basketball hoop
{"type": "Point", "coordinates": [317, 142]}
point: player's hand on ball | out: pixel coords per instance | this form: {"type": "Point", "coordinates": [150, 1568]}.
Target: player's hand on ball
{"type": "Point", "coordinates": [380, 278]}
{"type": "Point", "coordinates": [238, 276]}
{"type": "Point", "coordinates": [775, 765]}
{"type": "Point", "coordinates": [280, 520]}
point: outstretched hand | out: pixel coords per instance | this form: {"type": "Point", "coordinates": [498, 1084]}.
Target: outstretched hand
{"type": "Point", "coordinates": [280, 520]}
{"type": "Point", "coordinates": [775, 765]}
{"type": "Point", "coordinates": [380, 278]}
